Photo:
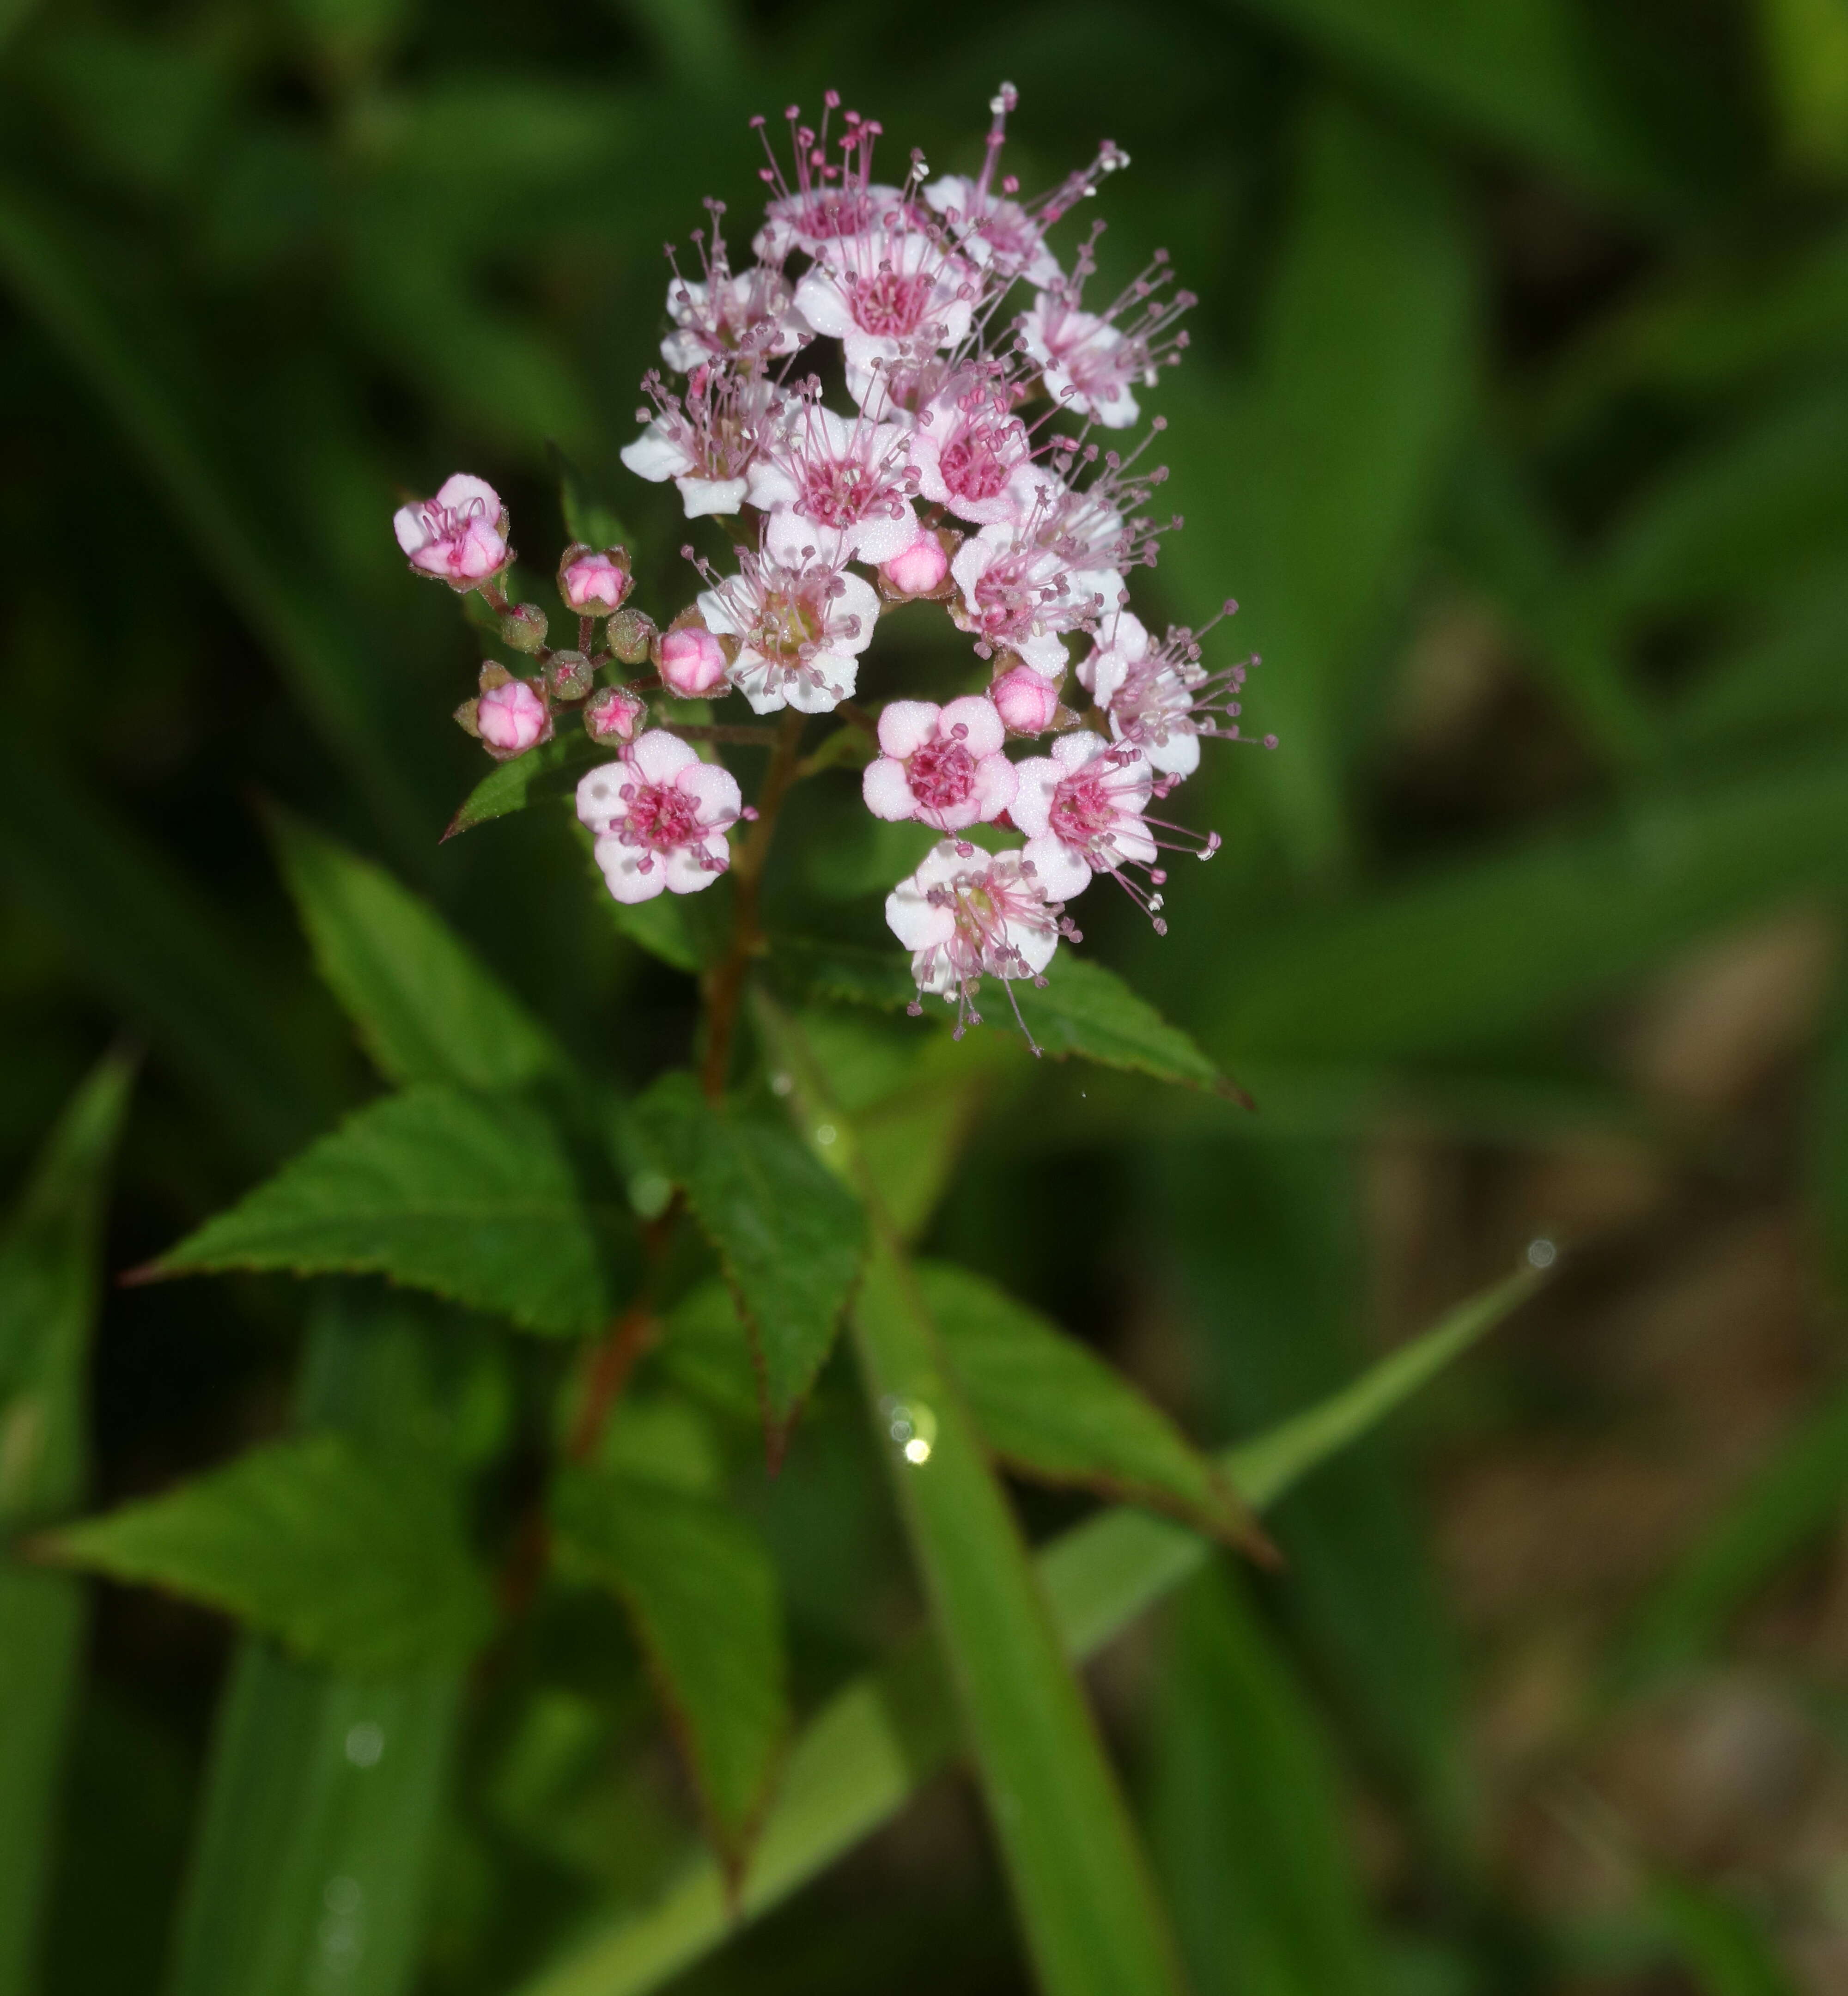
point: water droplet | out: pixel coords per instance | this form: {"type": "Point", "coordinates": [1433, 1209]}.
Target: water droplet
{"type": "Point", "coordinates": [649, 1194]}
{"type": "Point", "coordinates": [365, 1743]}
{"type": "Point", "coordinates": [912, 1427]}
{"type": "Point", "coordinates": [1541, 1253]}
{"type": "Point", "coordinates": [782, 1084]}
{"type": "Point", "coordinates": [825, 1133]}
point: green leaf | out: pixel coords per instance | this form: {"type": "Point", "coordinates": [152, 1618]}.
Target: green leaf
{"type": "Point", "coordinates": [1083, 1008]}
{"type": "Point", "coordinates": [878, 1740]}
{"type": "Point", "coordinates": [1793, 1498]}
{"type": "Point", "coordinates": [1724, 1948]}
{"type": "Point", "coordinates": [48, 1297]}
{"type": "Point", "coordinates": [352, 1557]}
{"type": "Point", "coordinates": [1522, 73]}
{"type": "Point", "coordinates": [1088, 1011]}
{"type": "Point", "coordinates": [471, 1197]}
{"type": "Point", "coordinates": [542, 775]}
{"type": "Point", "coordinates": [323, 1790]}
{"type": "Point", "coordinates": [1049, 1408]}
{"type": "Point", "coordinates": [701, 1590]}
{"type": "Point", "coordinates": [788, 1236]}
{"type": "Point", "coordinates": [322, 1805]}
{"type": "Point", "coordinates": [1248, 1817]}
{"type": "Point", "coordinates": [425, 1007]}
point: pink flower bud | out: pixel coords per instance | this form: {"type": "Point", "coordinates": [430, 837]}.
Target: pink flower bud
{"type": "Point", "coordinates": [1027, 700]}
{"type": "Point", "coordinates": [612, 713]}
{"type": "Point", "coordinates": [593, 584]}
{"type": "Point", "coordinates": [511, 719]}
{"type": "Point", "coordinates": [918, 569]}
{"type": "Point", "coordinates": [693, 661]}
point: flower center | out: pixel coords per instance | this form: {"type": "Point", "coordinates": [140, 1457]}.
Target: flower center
{"type": "Point", "coordinates": [977, 460]}
{"type": "Point", "coordinates": [786, 626]}
{"type": "Point", "coordinates": [1083, 811]}
{"type": "Point", "coordinates": [836, 491]}
{"type": "Point", "coordinates": [662, 816]}
{"type": "Point", "coordinates": [889, 305]}
{"type": "Point", "coordinates": [942, 773]}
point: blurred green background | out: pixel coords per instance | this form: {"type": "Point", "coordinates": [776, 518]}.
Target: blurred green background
{"type": "Point", "coordinates": [1516, 416]}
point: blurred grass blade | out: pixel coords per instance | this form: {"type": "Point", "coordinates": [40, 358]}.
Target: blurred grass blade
{"type": "Point", "coordinates": [1520, 73]}
{"type": "Point", "coordinates": [138, 928]}
{"type": "Point", "coordinates": [322, 1791]}
{"type": "Point", "coordinates": [875, 1743]}
{"type": "Point", "coordinates": [1263, 1468]}
{"type": "Point", "coordinates": [702, 1592]}
{"type": "Point", "coordinates": [1093, 1924]}
{"type": "Point", "coordinates": [322, 1798]}
{"type": "Point", "coordinates": [350, 1557]}
{"type": "Point", "coordinates": [1797, 1496]}
{"type": "Point", "coordinates": [1247, 1813]}
{"type": "Point", "coordinates": [329, 674]}
{"type": "Point", "coordinates": [1723, 1947]}
{"type": "Point", "coordinates": [1363, 383]}
{"type": "Point", "coordinates": [1467, 954]}
{"type": "Point", "coordinates": [50, 1277]}
{"type": "Point", "coordinates": [1049, 1407]}
{"type": "Point", "coordinates": [425, 1007]}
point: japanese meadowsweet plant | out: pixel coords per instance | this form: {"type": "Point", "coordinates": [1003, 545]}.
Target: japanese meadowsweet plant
{"type": "Point", "coordinates": [902, 406]}
{"type": "Point", "coordinates": [965, 465]}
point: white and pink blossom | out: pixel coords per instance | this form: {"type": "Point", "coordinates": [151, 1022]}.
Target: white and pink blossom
{"type": "Point", "coordinates": [706, 440]}
{"type": "Point", "coordinates": [460, 536]}
{"type": "Point", "coordinates": [942, 766]}
{"type": "Point", "coordinates": [511, 718]}
{"type": "Point", "coordinates": [1018, 597]}
{"type": "Point", "coordinates": [1158, 696]}
{"type": "Point", "coordinates": [1081, 809]}
{"type": "Point", "coordinates": [966, 915]}
{"type": "Point", "coordinates": [659, 816]}
{"type": "Point", "coordinates": [800, 620]}
{"type": "Point", "coordinates": [828, 200]}
{"type": "Point", "coordinates": [850, 482]}
{"type": "Point", "coordinates": [747, 319]}
{"type": "Point", "coordinates": [890, 292]}
{"type": "Point", "coordinates": [970, 449]}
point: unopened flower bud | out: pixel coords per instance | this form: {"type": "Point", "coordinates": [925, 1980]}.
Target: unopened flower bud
{"type": "Point", "coordinates": [569, 676]}
{"type": "Point", "coordinates": [693, 661]}
{"type": "Point", "coordinates": [1028, 701]}
{"type": "Point", "coordinates": [612, 713]}
{"type": "Point", "coordinates": [631, 635]}
{"type": "Point", "coordinates": [511, 719]}
{"type": "Point", "coordinates": [918, 570]}
{"type": "Point", "coordinates": [524, 627]}
{"type": "Point", "coordinates": [593, 584]}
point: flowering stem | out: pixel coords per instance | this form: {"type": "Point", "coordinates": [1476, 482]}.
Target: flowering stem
{"type": "Point", "coordinates": [725, 987]}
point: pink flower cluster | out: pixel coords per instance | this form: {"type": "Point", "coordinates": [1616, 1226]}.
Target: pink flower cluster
{"type": "Point", "coordinates": [971, 465]}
